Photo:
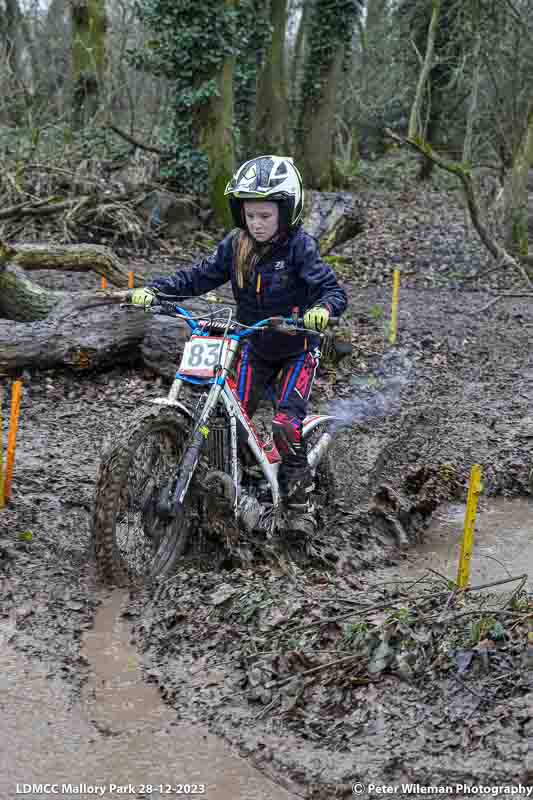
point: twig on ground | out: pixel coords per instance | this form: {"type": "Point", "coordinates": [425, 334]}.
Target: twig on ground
{"type": "Point", "coordinates": [497, 299]}
{"type": "Point", "coordinates": [353, 613]}
{"type": "Point", "coordinates": [264, 711]}
{"type": "Point", "coordinates": [516, 591]}
{"type": "Point", "coordinates": [522, 578]}
{"type": "Point", "coordinates": [312, 671]}
{"type": "Point", "coordinates": [482, 273]}
{"type": "Point", "coordinates": [469, 689]}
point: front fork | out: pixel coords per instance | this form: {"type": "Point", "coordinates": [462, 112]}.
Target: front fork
{"type": "Point", "coordinates": [189, 462]}
{"type": "Point", "coordinates": [192, 455]}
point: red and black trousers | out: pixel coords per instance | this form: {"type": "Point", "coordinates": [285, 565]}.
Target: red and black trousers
{"type": "Point", "coordinates": [290, 382]}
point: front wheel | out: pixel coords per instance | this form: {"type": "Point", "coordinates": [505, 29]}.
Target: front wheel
{"type": "Point", "coordinates": [133, 540]}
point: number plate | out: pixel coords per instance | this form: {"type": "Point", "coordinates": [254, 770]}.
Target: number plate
{"type": "Point", "coordinates": [200, 356]}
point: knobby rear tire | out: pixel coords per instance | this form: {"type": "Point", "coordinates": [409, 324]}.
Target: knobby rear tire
{"type": "Point", "coordinates": [116, 500]}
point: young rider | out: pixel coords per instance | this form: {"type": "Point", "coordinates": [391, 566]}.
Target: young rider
{"type": "Point", "coordinates": [274, 266]}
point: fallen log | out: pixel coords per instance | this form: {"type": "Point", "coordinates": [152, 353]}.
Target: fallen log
{"type": "Point", "coordinates": [75, 258]}
{"type": "Point", "coordinates": [79, 333]}
{"type": "Point", "coordinates": [22, 299]}
{"type": "Point", "coordinates": [334, 218]}
{"type": "Point", "coordinates": [89, 330]}
{"type": "Point", "coordinates": [162, 344]}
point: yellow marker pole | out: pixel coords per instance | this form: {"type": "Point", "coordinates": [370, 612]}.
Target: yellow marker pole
{"type": "Point", "coordinates": [2, 500]}
{"type": "Point", "coordinates": [16, 394]}
{"type": "Point", "coordinates": [394, 309]}
{"type": "Point", "coordinates": [130, 280]}
{"type": "Point", "coordinates": [467, 543]}
{"type": "Point", "coordinates": [103, 283]}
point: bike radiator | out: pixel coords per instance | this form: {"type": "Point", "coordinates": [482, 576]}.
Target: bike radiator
{"type": "Point", "coordinates": [218, 444]}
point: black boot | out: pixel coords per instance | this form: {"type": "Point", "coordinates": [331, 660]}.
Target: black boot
{"type": "Point", "coordinates": [295, 479]}
{"type": "Point", "coordinates": [300, 517]}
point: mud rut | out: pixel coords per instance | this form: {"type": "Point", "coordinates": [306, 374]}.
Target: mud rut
{"type": "Point", "coordinates": [467, 397]}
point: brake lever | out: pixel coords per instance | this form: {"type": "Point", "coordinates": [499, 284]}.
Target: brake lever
{"type": "Point", "coordinates": [279, 324]}
{"type": "Point", "coordinates": [153, 309]}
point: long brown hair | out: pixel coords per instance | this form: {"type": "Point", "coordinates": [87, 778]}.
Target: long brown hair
{"type": "Point", "coordinates": [247, 252]}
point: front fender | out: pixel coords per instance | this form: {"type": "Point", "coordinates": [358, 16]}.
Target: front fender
{"type": "Point", "coordinates": [164, 401]}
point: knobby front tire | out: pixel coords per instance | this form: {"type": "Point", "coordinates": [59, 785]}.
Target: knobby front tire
{"type": "Point", "coordinates": [132, 544]}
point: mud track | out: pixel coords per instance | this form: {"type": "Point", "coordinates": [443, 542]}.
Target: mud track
{"type": "Point", "coordinates": [462, 392]}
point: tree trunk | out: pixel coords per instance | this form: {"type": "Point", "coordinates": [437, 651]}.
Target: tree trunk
{"type": "Point", "coordinates": [271, 116]}
{"type": "Point", "coordinates": [11, 81]}
{"type": "Point", "coordinates": [318, 129]}
{"type": "Point", "coordinates": [516, 195]}
{"type": "Point", "coordinates": [298, 58]}
{"type": "Point", "coordinates": [89, 25]}
{"type": "Point", "coordinates": [215, 137]}
{"type": "Point", "coordinates": [53, 80]}
{"type": "Point", "coordinates": [416, 127]}
{"type": "Point", "coordinates": [473, 100]}
{"type": "Point", "coordinates": [11, 31]}
{"type": "Point", "coordinates": [331, 27]}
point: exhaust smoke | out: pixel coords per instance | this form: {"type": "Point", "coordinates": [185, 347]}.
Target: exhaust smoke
{"type": "Point", "coordinates": [377, 396]}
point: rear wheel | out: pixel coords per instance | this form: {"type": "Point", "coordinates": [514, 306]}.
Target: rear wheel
{"type": "Point", "coordinates": [133, 540]}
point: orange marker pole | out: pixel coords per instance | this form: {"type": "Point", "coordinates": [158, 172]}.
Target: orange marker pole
{"type": "Point", "coordinates": [130, 280]}
{"type": "Point", "coordinates": [103, 283]}
{"type": "Point", "coordinates": [2, 500]}
{"type": "Point", "coordinates": [16, 395]}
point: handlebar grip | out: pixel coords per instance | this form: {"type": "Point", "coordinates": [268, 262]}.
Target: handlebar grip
{"type": "Point", "coordinates": [333, 322]}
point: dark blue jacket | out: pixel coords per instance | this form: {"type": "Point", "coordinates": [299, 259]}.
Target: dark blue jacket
{"type": "Point", "coordinates": [292, 274]}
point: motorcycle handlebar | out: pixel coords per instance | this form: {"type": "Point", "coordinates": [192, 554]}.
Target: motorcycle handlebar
{"type": "Point", "coordinates": [166, 304]}
{"type": "Point", "coordinates": [333, 322]}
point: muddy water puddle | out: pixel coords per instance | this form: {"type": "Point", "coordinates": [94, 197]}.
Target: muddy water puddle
{"type": "Point", "coordinates": [120, 735]}
{"type": "Point", "coordinates": [503, 544]}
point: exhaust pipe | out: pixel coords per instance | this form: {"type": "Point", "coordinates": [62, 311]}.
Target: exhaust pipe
{"type": "Point", "coordinates": [319, 450]}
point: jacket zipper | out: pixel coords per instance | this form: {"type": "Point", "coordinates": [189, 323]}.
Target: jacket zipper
{"type": "Point", "coordinates": [258, 294]}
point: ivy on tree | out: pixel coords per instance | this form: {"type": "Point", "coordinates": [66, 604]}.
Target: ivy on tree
{"type": "Point", "coordinates": [330, 27]}
{"type": "Point", "coordinates": [188, 44]}
{"type": "Point", "coordinates": [329, 35]}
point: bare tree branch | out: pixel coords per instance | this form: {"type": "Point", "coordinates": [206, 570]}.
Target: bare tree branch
{"type": "Point", "coordinates": [464, 174]}
{"type": "Point", "coordinates": [136, 143]}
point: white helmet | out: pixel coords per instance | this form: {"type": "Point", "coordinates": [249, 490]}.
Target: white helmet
{"type": "Point", "coordinates": [273, 178]}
